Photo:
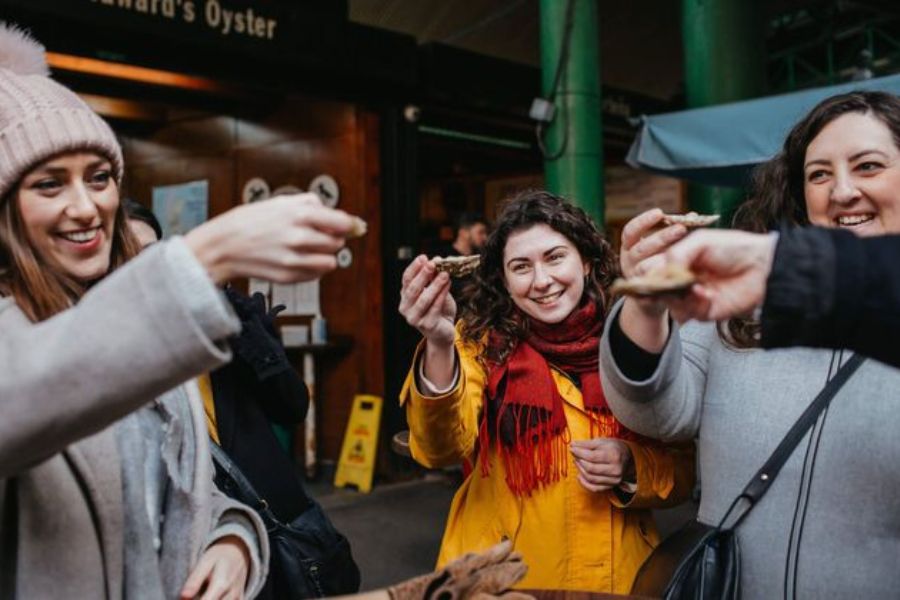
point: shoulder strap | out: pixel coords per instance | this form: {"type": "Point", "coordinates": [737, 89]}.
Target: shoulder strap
{"type": "Point", "coordinates": [249, 495]}
{"type": "Point", "coordinates": [762, 480]}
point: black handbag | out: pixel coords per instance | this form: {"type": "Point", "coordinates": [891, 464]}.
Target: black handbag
{"type": "Point", "coordinates": [703, 562]}
{"type": "Point", "coordinates": [309, 557]}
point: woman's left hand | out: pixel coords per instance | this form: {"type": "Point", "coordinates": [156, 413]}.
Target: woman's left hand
{"type": "Point", "coordinates": [603, 463]}
{"type": "Point", "coordinates": [221, 573]}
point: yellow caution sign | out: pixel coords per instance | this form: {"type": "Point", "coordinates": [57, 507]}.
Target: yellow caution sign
{"type": "Point", "coordinates": [357, 463]}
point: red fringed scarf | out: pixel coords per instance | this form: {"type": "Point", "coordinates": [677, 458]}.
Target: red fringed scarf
{"type": "Point", "coordinates": [524, 416]}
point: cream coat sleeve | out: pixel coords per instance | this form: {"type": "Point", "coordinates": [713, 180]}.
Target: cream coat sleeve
{"type": "Point", "coordinates": [151, 325]}
{"type": "Point", "coordinates": [668, 405]}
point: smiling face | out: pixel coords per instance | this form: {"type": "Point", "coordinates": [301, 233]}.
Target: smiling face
{"type": "Point", "coordinates": [543, 273]}
{"type": "Point", "coordinates": [68, 208]}
{"type": "Point", "coordinates": [852, 176]}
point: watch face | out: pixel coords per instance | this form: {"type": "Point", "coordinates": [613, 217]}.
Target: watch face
{"type": "Point", "coordinates": [327, 189]}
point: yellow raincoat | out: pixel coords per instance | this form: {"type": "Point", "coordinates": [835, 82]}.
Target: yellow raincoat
{"type": "Point", "coordinates": [570, 538]}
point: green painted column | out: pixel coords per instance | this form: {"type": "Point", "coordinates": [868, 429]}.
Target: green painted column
{"type": "Point", "coordinates": [724, 61]}
{"type": "Point", "coordinates": [573, 165]}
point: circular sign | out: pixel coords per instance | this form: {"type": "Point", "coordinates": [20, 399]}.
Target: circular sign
{"type": "Point", "coordinates": [255, 190]}
{"type": "Point", "coordinates": [286, 190]}
{"type": "Point", "coordinates": [344, 258]}
{"type": "Point", "coordinates": [327, 189]}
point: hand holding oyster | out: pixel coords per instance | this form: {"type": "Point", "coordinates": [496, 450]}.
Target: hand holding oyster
{"type": "Point", "coordinates": [670, 279]}
{"type": "Point", "coordinates": [457, 266]}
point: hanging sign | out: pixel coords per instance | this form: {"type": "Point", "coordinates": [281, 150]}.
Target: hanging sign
{"type": "Point", "coordinates": [327, 189]}
{"type": "Point", "coordinates": [344, 258]}
{"type": "Point", "coordinates": [280, 29]}
{"type": "Point", "coordinates": [255, 189]}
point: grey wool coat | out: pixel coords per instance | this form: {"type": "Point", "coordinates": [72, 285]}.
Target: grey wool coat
{"type": "Point", "coordinates": [65, 386]}
{"type": "Point", "coordinates": [831, 520]}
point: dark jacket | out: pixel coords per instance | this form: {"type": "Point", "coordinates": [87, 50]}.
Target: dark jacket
{"type": "Point", "coordinates": [829, 288]}
{"type": "Point", "coordinates": [258, 388]}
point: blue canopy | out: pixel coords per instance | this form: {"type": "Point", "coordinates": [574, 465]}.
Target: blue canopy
{"type": "Point", "coordinates": [718, 145]}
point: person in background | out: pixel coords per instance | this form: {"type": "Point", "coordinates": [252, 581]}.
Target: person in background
{"type": "Point", "coordinates": [513, 389]}
{"type": "Point", "coordinates": [470, 235]}
{"type": "Point", "coordinates": [143, 223]}
{"type": "Point", "coordinates": [839, 168]}
{"type": "Point", "coordinates": [106, 492]}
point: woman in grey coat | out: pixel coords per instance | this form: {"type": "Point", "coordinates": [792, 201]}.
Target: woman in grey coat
{"type": "Point", "coordinates": [828, 526]}
{"type": "Point", "coordinates": [105, 477]}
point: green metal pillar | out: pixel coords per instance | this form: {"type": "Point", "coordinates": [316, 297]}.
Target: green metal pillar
{"type": "Point", "coordinates": [724, 59]}
{"type": "Point", "coordinates": [573, 164]}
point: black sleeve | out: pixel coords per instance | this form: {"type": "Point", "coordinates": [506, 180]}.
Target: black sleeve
{"type": "Point", "coordinates": [281, 393]}
{"type": "Point", "coordinates": [636, 363]}
{"type": "Point", "coordinates": [284, 397]}
{"type": "Point", "coordinates": [830, 289]}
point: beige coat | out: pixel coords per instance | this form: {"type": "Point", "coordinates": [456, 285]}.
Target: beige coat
{"type": "Point", "coordinates": [63, 385]}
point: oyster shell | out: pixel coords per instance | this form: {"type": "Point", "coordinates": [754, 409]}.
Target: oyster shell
{"type": "Point", "coordinates": [457, 266]}
{"type": "Point", "coordinates": [671, 279]}
{"type": "Point", "coordinates": [690, 219]}
{"type": "Point", "coordinates": [359, 229]}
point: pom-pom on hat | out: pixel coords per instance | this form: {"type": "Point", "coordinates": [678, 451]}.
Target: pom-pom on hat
{"type": "Point", "coordinates": [39, 118]}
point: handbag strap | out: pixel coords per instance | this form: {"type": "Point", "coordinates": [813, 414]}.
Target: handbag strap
{"type": "Point", "coordinates": [249, 495]}
{"type": "Point", "coordinates": [762, 480]}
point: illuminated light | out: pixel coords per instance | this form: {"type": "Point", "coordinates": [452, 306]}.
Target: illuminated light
{"type": "Point", "coordinates": [115, 70]}
{"type": "Point", "coordinates": [117, 108]}
{"type": "Point", "coordinates": [475, 137]}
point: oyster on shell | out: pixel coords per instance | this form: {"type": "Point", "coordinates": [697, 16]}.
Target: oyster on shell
{"type": "Point", "coordinates": [359, 229]}
{"type": "Point", "coordinates": [457, 266]}
{"type": "Point", "coordinates": [671, 279]}
{"type": "Point", "coordinates": [690, 220]}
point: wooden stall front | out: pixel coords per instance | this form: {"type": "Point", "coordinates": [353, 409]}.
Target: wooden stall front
{"type": "Point", "coordinates": [290, 145]}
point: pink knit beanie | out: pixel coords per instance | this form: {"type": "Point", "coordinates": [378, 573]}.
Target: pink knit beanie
{"type": "Point", "coordinates": [40, 118]}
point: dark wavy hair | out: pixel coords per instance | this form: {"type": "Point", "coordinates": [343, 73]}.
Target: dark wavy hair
{"type": "Point", "coordinates": [487, 306]}
{"type": "Point", "coordinates": [776, 190]}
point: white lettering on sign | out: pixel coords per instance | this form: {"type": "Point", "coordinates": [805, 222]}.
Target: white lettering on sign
{"type": "Point", "coordinates": [226, 21]}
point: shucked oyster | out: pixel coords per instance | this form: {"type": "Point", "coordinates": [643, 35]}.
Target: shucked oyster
{"type": "Point", "coordinates": [457, 266]}
{"type": "Point", "coordinates": [671, 279]}
{"type": "Point", "coordinates": [691, 219]}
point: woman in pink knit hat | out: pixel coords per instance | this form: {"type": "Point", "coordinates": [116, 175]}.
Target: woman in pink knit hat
{"type": "Point", "coordinates": [109, 493]}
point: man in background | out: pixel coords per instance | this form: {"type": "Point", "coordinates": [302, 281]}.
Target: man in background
{"type": "Point", "coordinates": [471, 233]}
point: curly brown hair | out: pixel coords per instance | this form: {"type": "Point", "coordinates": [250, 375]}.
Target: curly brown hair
{"type": "Point", "coordinates": [487, 306]}
{"type": "Point", "coordinates": [776, 191]}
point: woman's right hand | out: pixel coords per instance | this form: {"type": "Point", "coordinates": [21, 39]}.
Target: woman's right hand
{"type": "Point", "coordinates": [645, 320]}
{"type": "Point", "coordinates": [286, 239]}
{"type": "Point", "coordinates": [642, 248]}
{"type": "Point", "coordinates": [426, 303]}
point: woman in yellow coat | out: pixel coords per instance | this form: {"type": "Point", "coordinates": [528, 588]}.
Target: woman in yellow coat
{"type": "Point", "coordinates": [514, 389]}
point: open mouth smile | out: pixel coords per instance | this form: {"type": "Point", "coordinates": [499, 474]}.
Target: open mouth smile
{"type": "Point", "coordinates": [549, 298]}
{"type": "Point", "coordinates": [84, 236]}
{"type": "Point", "coordinates": [853, 220]}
